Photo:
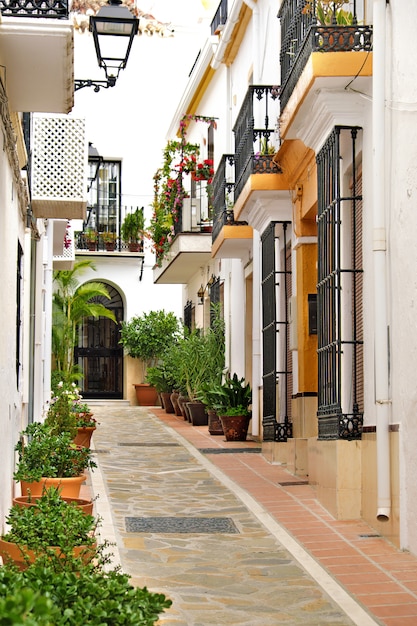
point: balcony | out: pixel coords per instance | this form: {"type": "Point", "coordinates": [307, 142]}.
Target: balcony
{"type": "Point", "coordinates": [101, 233]}
{"type": "Point", "coordinates": [320, 48]}
{"type": "Point", "coordinates": [250, 178]}
{"type": "Point", "coordinates": [220, 18]}
{"type": "Point", "coordinates": [191, 244]}
{"type": "Point", "coordinates": [231, 239]}
{"type": "Point", "coordinates": [36, 52]}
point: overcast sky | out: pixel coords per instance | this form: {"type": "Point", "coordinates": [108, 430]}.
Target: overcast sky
{"type": "Point", "coordinates": [178, 12]}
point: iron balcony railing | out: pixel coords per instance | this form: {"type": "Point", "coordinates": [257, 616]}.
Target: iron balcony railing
{"type": "Point", "coordinates": [308, 27]}
{"type": "Point", "coordinates": [255, 130]}
{"type": "Point", "coordinates": [220, 18]}
{"type": "Point", "coordinates": [223, 194]}
{"type": "Point", "coordinates": [195, 213]}
{"type": "Point", "coordinates": [53, 9]}
{"type": "Point", "coordinates": [102, 230]}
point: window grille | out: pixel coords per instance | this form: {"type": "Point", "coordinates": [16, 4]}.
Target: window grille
{"type": "Point", "coordinates": [339, 289]}
{"type": "Point", "coordinates": [188, 315]}
{"type": "Point", "coordinates": [277, 362]}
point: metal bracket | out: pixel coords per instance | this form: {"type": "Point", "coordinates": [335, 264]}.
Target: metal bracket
{"type": "Point", "coordinates": [97, 84]}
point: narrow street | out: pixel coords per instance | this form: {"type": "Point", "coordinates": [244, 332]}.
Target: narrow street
{"type": "Point", "coordinates": [180, 506]}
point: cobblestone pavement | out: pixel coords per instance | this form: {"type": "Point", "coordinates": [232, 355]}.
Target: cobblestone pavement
{"type": "Point", "coordinates": [181, 530]}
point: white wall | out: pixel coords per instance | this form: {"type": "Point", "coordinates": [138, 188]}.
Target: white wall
{"type": "Point", "coordinates": [402, 223]}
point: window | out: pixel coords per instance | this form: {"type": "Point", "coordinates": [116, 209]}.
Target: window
{"type": "Point", "coordinates": [339, 290]}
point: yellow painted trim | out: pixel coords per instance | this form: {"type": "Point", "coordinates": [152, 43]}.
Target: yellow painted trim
{"type": "Point", "coordinates": [324, 65]}
{"type": "Point", "coordinates": [229, 232]}
{"type": "Point", "coordinates": [238, 34]}
{"type": "Point", "coordinates": [200, 91]}
{"type": "Point", "coordinates": [341, 63]}
{"type": "Point", "coordinates": [259, 182]}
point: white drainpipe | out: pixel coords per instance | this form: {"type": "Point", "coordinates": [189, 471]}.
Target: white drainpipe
{"type": "Point", "coordinates": [255, 36]}
{"type": "Point", "coordinates": [256, 333]}
{"type": "Point", "coordinates": [226, 34]}
{"type": "Point", "coordinates": [382, 400]}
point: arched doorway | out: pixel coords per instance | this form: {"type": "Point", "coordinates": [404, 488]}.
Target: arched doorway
{"type": "Point", "coordinates": [99, 354]}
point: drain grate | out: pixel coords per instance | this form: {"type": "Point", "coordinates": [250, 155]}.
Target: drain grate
{"type": "Point", "coordinates": [100, 451]}
{"type": "Point", "coordinates": [370, 536]}
{"type": "Point", "coordinates": [182, 525]}
{"type": "Point", "coordinates": [228, 450]}
{"type": "Point", "coordinates": [156, 444]}
{"type": "Point", "coordinates": [290, 483]}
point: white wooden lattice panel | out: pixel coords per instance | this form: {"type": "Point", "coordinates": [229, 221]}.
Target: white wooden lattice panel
{"type": "Point", "coordinates": [59, 167]}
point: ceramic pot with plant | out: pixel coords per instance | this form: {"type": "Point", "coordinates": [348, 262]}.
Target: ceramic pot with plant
{"type": "Point", "coordinates": [109, 239]}
{"type": "Point", "coordinates": [52, 529]}
{"type": "Point", "coordinates": [67, 412]}
{"type": "Point", "coordinates": [91, 238]}
{"type": "Point", "coordinates": [232, 401]}
{"type": "Point", "coordinates": [146, 337]}
{"type": "Point", "coordinates": [46, 459]}
{"type": "Point", "coordinates": [132, 229]}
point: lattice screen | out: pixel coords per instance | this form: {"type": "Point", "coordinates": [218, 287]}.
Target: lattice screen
{"type": "Point", "coordinates": [59, 167]}
{"type": "Point", "coordinates": [63, 245]}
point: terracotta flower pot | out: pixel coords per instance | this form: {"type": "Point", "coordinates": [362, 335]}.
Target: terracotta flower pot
{"type": "Point", "coordinates": [166, 399]}
{"type": "Point", "coordinates": [69, 487]}
{"type": "Point", "coordinates": [197, 412]}
{"type": "Point", "coordinates": [85, 505]}
{"type": "Point", "coordinates": [21, 556]}
{"type": "Point", "coordinates": [146, 395]}
{"type": "Point", "coordinates": [83, 436]}
{"type": "Point", "coordinates": [214, 423]}
{"type": "Point", "coordinates": [174, 400]}
{"type": "Point", "coordinates": [235, 427]}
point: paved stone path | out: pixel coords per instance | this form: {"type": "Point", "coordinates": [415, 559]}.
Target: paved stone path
{"type": "Point", "coordinates": [182, 532]}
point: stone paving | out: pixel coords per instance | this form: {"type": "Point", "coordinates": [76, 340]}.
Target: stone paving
{"type": "Point", "coordinates": [182, 532]}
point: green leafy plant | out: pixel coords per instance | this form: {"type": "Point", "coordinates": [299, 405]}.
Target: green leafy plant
{"type": "Point", "coordinates": [147, 336]}
{"type": "Point", "coordinates": [41, 596]}
{"type": "Point", "coordinates": [200, 357]}
{"type": "Point", "coordinates": [133, 226]}
{"type": "Point", "coordinates": [51, 522]}
{"type": "Point", "coordinates": [49, 455]}
{"type": "Point", "coordinates": [109, 236]}
{"type": "Point", "coordinates": [91, 235]}
{"type": "Point", "coordinates": [329, 12]}
{"type": "Point", "coordinates": [72, 303]}
{"type": "Point", "coordinates": [232, 397]}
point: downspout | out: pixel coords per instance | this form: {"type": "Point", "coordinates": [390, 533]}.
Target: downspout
{"type": "Point", "coordinates": [255, 47]}
{"type": "Point", "coordinates": [382, 401]}
{"type": "Point", "coordinates": [226, 34]}
{"type": "Point", "coordinates": [256, 332]}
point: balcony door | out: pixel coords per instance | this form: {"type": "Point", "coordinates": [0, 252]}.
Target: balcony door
{"type": "Point", "coordinates": [99, 355]}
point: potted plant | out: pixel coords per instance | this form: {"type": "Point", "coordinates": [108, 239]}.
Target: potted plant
{"type": "Point", "coordinates": [109, 240]}
{"type": "Point", "coordinates": [201, 361]}
{"type": "Point", "coordinates": [46, 459]}
{"type": "Point", "coordinates": [157, 377]}
{"type": "Point", "coordinates": [52, 529]}
{"type": "Point", "coordinates": [68, 413]}
{"type": "Point", "coordinates": [91, 238]}
{"type": "Point", "coordinates": [45, 595]}
{"type": "Point", "coordinates": [132, 229]}
{"type": "Point", "coordinates": [232, 400]}
{"type": "Point", "coordinates": [146, 337]}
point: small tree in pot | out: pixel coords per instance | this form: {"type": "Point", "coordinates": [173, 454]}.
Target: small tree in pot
{"type": "Point", "coordinates": [146, 337]}
{"type": "Point", "coordinates": [132, 229]}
